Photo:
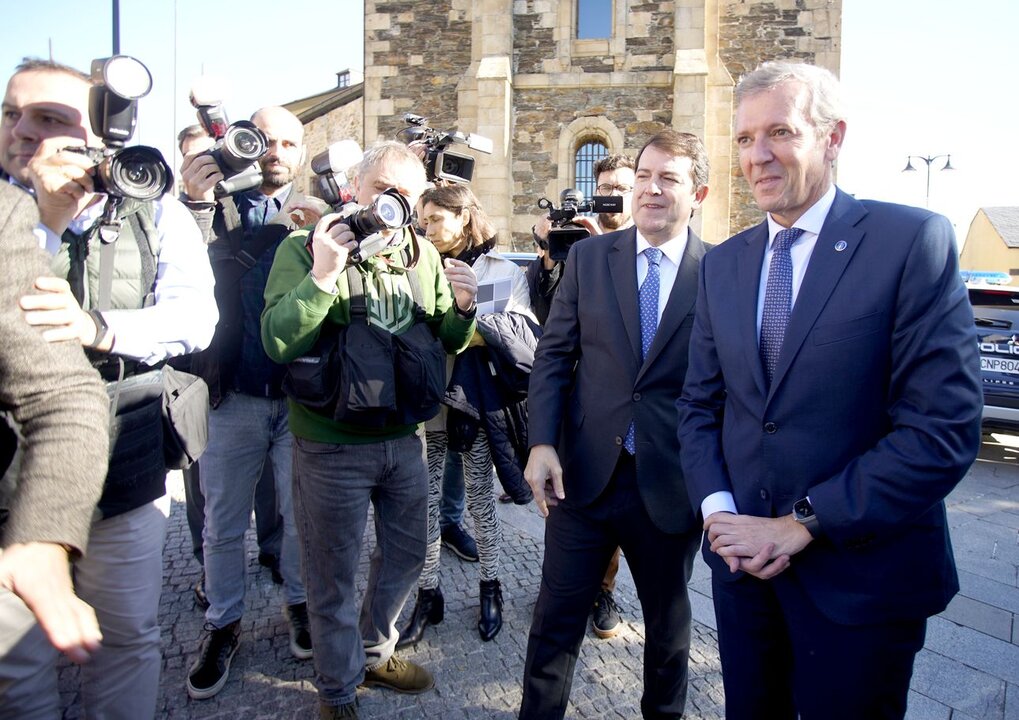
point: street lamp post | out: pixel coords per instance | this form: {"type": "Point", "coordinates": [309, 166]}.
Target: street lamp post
{"type": "Point", "coordinates": [928, 159]}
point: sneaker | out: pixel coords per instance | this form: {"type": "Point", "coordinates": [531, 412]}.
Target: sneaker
{"type": "Point", "coordinates": [338, 712]}
{"type": "Point", "coordinates": [459, 541]}
{"type": "Point", "coordinates": [300, 631]}
{"type": "Point", "coordinates": [399, 675]}
{"type": "Point", "coordinates": [201, 599]}
{"type": "Point", "coordinates": [211, 669]}
{"type": "Point", "coordinates": [606, 615]}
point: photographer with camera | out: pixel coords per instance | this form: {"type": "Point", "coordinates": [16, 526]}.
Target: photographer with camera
{"type": "Point", "coordinates": [484, 413]}
{"type": "Point", "coordinates": [614, 175]}
{"type": "Point", "coordinates": [133, 300]}
{"type": "Point", "coordinates": [248, 432]}
{"type": "Point", "coordinates": [360, 443]}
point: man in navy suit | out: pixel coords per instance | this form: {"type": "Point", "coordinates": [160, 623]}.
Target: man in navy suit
{"type": "Point", "coordinates": [832, 401]}
{"type": "Point", "coordinates": [606, 376]}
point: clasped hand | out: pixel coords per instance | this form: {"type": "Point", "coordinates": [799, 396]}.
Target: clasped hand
{"type": "Point", "coordinates": [759, 546]}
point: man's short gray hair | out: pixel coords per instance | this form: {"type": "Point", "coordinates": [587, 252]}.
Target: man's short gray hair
{"type": "Point", "coordinates": [388, 151]}
{"type": "Point", "coordinates": [824, 96]}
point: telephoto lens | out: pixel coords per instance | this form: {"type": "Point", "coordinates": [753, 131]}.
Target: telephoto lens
{"type": "Point", "coordinates": [242, 145]}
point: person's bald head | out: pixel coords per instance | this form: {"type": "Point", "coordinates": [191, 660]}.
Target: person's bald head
{"type": "Point", "coordinates": [285, 134]}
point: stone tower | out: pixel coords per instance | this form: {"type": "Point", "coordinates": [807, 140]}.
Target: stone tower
{"type": "Point", "coordinates": [516, 72]}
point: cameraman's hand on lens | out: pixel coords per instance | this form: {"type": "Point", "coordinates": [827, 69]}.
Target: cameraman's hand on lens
{"type": "Point", "coordinates": [545, 476]}
{"type": "Point", "coordinates": [588, 223]}
{"type": "Point", "coordinates": [419, 148]}
{"type": "Point", "coordinates": [62, 179]}
{"type": "Point", "coordinates": [464, 281]}
{"type": "Point", "coordinates": [200, 174]}
{"type": "Point", "coordinates": [331, 243]}
{"type": "Point", "coordinates": [54, 308]}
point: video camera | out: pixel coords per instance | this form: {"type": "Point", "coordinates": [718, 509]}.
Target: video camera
{"type": "Point", "coordinates": [564, 231]}
{"type": "Point", "coordinates": [441, 163]}
{"type": "Point", "coordinates": [369, 223]}
{"type": "Point", "coordinates": [138, 172]}
{"type": "Point", "coordinates": [239, 146]}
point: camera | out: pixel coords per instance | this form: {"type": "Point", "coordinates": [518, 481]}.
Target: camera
{"type": "Point", "coordinates": [369, 223]}
{"type": "Point", "coordinates": [441, 163]}
{"type": "Point", "coordinates": [138, 172]}
{"type": "Point", "coordinates": [330, 167]}
{"type": "Point", "coordinates": [564, 231]}
{"type": "Point", "coordinates": [239, 146]}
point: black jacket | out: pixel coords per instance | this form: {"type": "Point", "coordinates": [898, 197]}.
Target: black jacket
{"type": "Point", "coordinates": [488, 390]}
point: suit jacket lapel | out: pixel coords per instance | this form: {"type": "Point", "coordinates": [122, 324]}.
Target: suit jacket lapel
{"type": "Point", "coordinates": [746, 291]}
{"type": "Point", "coordinates": [622, 260]}
{"type": "Point", "coordinates": [835, 247]}
{"type": "Point", "coordinates": [681, 298]}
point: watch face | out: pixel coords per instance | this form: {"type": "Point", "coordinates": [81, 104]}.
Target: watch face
{"type": "Point", "coordinates": [803, 509]}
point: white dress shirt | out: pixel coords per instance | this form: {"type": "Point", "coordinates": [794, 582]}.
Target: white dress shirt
{"type": "Point", "coordinates": [184, 315]}
{"type": "Point", "coordinates": [811, 223]}
{"type": "Point", "coordinates": [668, 266]}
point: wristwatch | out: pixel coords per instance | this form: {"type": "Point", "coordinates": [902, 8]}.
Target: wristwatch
{"type": "Point", "coordinates": [101, 328]}
{"type": "Point", "coordinates": [803, 513]}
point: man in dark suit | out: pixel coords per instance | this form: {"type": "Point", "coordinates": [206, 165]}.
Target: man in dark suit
{"type": "Point", "coordinates": [606, 376]}
{"type": "Point", "coordinates": [832, 401]}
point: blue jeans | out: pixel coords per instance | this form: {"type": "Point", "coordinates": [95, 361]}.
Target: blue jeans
{"type": "Point", "coordinates": [244, 432]}
{"type": "Point", "coordinates": [451, 507]}
{"type": "Point", "coordinates": [333, 486]}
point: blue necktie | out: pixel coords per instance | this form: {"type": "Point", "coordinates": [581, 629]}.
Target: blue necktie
{"type": "Point", "coordinates": [778, 296]}
{"type": "Point", "coordinates": [648, 299]}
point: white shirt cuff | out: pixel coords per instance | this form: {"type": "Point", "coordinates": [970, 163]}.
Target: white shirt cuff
{"type": "Point", "coordinates": [721, 501]}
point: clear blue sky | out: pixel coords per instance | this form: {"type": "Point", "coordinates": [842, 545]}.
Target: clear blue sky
{"type": "Point", "coordinates": [922, 78]}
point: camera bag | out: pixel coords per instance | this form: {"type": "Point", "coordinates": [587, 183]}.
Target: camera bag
{"type": "Point", "coordinates": [364, 375]}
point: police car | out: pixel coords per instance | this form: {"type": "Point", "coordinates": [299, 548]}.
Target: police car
{"type": "Point", "coordinates": [996, 313]}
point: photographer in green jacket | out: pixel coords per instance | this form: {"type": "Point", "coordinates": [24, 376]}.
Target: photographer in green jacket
{"type": "Point", "coordinates": [342, 465]}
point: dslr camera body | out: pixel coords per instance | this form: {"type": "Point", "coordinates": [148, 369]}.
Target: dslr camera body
{"type": "Point", "coordinates": [238, 148]}
{"type": "Point", "coordinates": [138, 172]}
{"type": "Point", "coordinates": [441, 163]}
{"type": "Point", "coordinates": [373, 224]}
{"type": "Point", "coordinates": [564, 230]}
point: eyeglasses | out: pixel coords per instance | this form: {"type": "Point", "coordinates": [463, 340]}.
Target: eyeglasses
{"type": "Point", "coordinates": [608, 189]}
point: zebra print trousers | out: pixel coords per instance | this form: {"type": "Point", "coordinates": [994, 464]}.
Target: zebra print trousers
{"type": "Point", "coordinates": [479, 481]}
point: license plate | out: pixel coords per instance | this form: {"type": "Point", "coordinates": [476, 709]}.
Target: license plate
{"type": "Point", "coordinates": [1007, 365]}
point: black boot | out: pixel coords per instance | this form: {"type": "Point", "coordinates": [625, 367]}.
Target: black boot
{"type": "Point", "coordinates": [490, 622]}
{"type": "Point", "coordinates": [428, 610]}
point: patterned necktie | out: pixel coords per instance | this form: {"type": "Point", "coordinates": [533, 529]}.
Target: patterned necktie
{"type": "Point", "coordinates": [778, 297]}
{"type": "Point", "coordinates": [648, 299]}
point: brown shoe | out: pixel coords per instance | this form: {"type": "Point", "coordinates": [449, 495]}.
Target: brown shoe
{"type": "Point", "coordinates": [400, 675]}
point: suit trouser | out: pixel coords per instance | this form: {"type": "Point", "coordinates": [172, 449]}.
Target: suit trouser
{"type": "Point", "coordinates": [28, 674]}
{"type": "Point", "coordinates": [578, 545]}
{"type": "Point", "coordinates": [782, 658]}
{"type": "Point", "coordinates": [121, 577]}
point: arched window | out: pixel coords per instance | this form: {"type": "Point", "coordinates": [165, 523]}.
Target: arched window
{"type": "Point", "coordinates": [594, 19]}
{"type": "Point", "coordinates": [587, 153]}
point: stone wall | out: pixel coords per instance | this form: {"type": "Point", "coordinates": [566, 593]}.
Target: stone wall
{"type": "Point", "coordinates": [751, 33]}
{"type": "Point", "coordinates": [342, 123]}
{"type": "Point", "coordinates": [515, 69]}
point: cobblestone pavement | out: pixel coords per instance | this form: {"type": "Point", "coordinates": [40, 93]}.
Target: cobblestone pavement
{"type": "Point", "coordinates": [969, 668]}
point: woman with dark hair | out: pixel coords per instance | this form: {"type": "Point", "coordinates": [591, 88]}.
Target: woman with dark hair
{"type": "Point", "coordinates": [458, 227]}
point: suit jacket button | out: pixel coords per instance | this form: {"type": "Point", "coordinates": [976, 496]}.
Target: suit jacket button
{"type": "Point", "coordinates": [764, 494]}
{"type": "Point", "coordinates": [636, 397]}
{"type": "Point", "coordinates": [619, 440]}
{"type": "Point", "coordinates": [770, 428]}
